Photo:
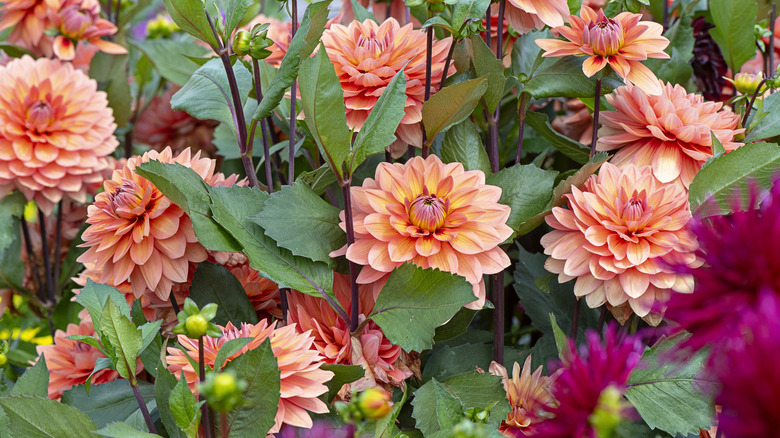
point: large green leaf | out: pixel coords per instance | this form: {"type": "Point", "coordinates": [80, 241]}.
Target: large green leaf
{"type": "Point", "coordinates": [184, 408]}
{"type": "Point", "coordinates": [190, 16]}
{"type": "Point", "coordinates": [451, 105]}
{"type": "Point", "coordinates": [234, 12]}
{"type": "Point", "coordinates": [768, 125]}
{"type": "Point", "coordinates": [163, 388]}
{"type": "Point", "coordinates": [463, 144]}
{"type": "Point", "coordinates": [38, 417]}
{"type": "Point", "coordinates": [571, 148]}
{"type": "Point", "coordinates": [715, 187]}
{"type": "Point", "coordinates": [124, 339]}
{"type": "Point", "coordinates": [526, 189]}
{"type": "Point", "coordinates": [295, 208]}
{"type": "Point", "coordinates": [110, 71]}
{"type": "Point", "coordinates": [415, 301]}
{"type": "Point", "coordinates": [464, 10]}
{"type": "Point", "coordinates": [34, 381]}
{"type": "Point", "coordinates": [733, 20]}
{"type": "Point", "coordinates": [123, 430]}
{"type": "Point", "coordinates": [215, 284]}
{"type": "Point", "coordinates": [93, 297]}
{"type": "Point", "coordinates": [564, 78]}
{"type": "Point", "coordinates": [322, 100]}
{"type": "Point", "coordinates": [482, 391]}
{"type": "Point", "coordinates": [486, 64]}
{"type": "Point", "coordinates": [672, 396]}
{"type": "Point", "coordinates": [378, 132]}
{"type": "Point", "coordinates": [108, 402]}
{"type": "Point", "coordinates": [342, 374]}
{"type": "Point", "coordinates": [11, 265]}
{"type": "Point", "coordinates": [435, 408]}
{"type": "Point", "coordinates": [256, 416]}
{"type": "Point", "coordinates": [169, 57]}
{"type": "Point", "coordinates": [301, 47]}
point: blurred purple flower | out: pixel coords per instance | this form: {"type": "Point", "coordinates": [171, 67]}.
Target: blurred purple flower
{"type": "Point", "coordinates": [321, 429]}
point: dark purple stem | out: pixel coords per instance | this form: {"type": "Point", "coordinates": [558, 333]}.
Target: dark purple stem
{"type": "Point", "coordinates": [48, 274]}
{"type": "Point", "coordinates": [575, 319]}
{"type": "Point", "coordinates": [58, 246]}
{"type": "Point", "coordinates": [521, 121]}
{"type": "Point", "coordinates": [269, 181]}
{"type": "Point", "coordinates": [500, 36]}
{"type": "Point", "coordinates": [752, 101]}
{"type": "Point", "coordinates": [602, 319]}
{"type": "Point", "coordinates": [447, 64]}
{"type": "Point", "coordinates": [141, 405]}
{"type": "Point", "coordinates": [488, 26]}
{"type": "Point", "coordinates": [596, 106]}
{"type": "Point", "coordinates": [202, 377]}
{"type": "Point", "coordinates": [32, 261]}
{"type": "Point", "coordinates": [665, 22]}
{"type": "Point", "coordinates": [293, 101]}
{"type": "Point", "coordinates": [498, 317]}
{"type": "Point", "coordinates": [174, 304]}
{"type": "Point", "coordinates": [771, 47]}
{"type": "Point", "coordinates": [283, 302]}
{"type": "Point", "coordinates": [428, 57]}
{"type": "Point", "coordinates": [353, 323]}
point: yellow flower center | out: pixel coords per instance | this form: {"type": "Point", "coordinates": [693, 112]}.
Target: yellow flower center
{"type": "Point", "coordinates": [40, 115]}
{"type": "Point", "coordinates": [375, 46]}
{"type": "Point", "coordinates": [428, 212]}
{"type": "Point", "coordinates": [604, 36]}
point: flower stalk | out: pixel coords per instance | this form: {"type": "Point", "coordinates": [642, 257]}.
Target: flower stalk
{"type": "Point", "coordinates": [428, 62]}
{"type": "Point", "coordinates": [749, 106]}
{"type": "Point", "coordinates": [202, 376]}
{"type": "Point", "coordinates": [269, 182]}
{"type": "Point", "coordinates": [142, 406]}
{"type": "Point", "coordinates": [596, 105]}
{"type": "Point", "coordinates": [355, 297]}
{"type": "Point", "coordinates": [293, 101]}
{"type": "Point", "coordinates": [521, 121]}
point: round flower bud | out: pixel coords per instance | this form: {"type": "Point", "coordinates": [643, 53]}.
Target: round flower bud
{"type": "Point", "coordinates": [3, 360]}
{"type": "Point", "coordinates": [241, 42]}
{"type": "Point", "coordinates": [160, 27]}
{"type": "Point", "coordinates": [374, 403]}
{"type": "Point", "coordinates": [196, 326]}
{"type": "Point", "coordinates": [223, 391]}
{"type": "Point", "coordinates": [747, 83]}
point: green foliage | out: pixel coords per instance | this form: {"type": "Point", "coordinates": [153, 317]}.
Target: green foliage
{"type": "Point", "coordinates": [215, 284]}
{"type": "Point", "coordinates": [415, 301]}
{"type": "Point", "coordinates": [486, 64]}
{"type": "Point", "coordinates": [526, 189]}
{"type": "Point", "coordinates": [765, 122]}
{"type": "Point", "coordinates": [669, 395]}
{"type": "Point", "coordinates": [123, 430]}
{"type": "Point", "coordinates": [463, 144]}
{"type": "Point", "coordinates": [38, 417]}
{"type": "Point", "coordinates": [571, 148]}
{"type": "Point", "coordinates": [436, 408]}
{"type": "Point", "coordinates": [184, 408]}
{"type": "Point", "coordinates": [564, 78]}
{"type": "Point", "coordinates": [440, 405]}
{"type": "Point", "coordinates": [122, 340]}
{"type": "Point", "coordinates": [171, 57]}
{"type": "Point", "coordinates": [108, 402]}
{"type": "Point", "coordinates": [190, 16]}
{"type": "Point", "coordinates": [452, 105]}
{"type": "Point", "coordinates": [361, 13]}
{"type": "Point", "coordinates": [259, 369]}
{"type": "Point", "coordinates": [94, 297]}
{"type": "Point", "coordinates": [228, 349]}
{"type": "Point", "coordinates": [733, 20]}
{"type": "Point", "coordinates": [163, 388]}
{"type": "Point", "coordinates": [11, 266]}
{"type": "Point", "coordinates": [111, 73]}
{"type": "Point", "coordinates": [342, 374]}
{"type": "Point", "coordinates": [34, 381]}
{"type": "Point", "coordinates": [468, 9]}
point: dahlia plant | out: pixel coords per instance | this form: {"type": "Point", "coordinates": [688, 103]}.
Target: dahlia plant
{"type": "Point", "coordinates": [381, 218]}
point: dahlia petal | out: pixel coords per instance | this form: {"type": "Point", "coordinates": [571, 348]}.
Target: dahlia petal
{"type": "Point", "coordinates": [634, 283]}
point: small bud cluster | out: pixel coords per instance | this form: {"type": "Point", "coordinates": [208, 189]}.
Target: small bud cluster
{"type": "Point", "coordinates": [254, 43]}
{"type": "Point", "coordinates": [370, 405]}
{"type": "Point", "coordinates": [160, 28]}
{"type": "Point", "coordinates": [195, 323]}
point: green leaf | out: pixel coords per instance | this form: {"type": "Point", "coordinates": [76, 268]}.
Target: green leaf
{"type": "Point", "coordinates": [37, 417]}
{"type": "Point", "coordinates": [190, 16]}
{"type": "Point", "coordinates": [415, 301]}
{"type": "Point", "coordinates": [148, 332]}
{"type": "Point", "coordinates": [486, 64]}
{"type": "Point", "coordinates": [169, 57]}
{"type": "Point", "coordinates": [14, 51]}
{"type": "Point", "coordinates": [467, 9]}
{"type": "Point", "coordinates": [94, 297]}
{"type": "Point", "coordinates": [378, 132]}
{"type": "Point", "coordinates": [463, 144]}
{"type": "Point", "coordinates": [184, 408]}
{"type": "Point", "coordinates": [322, 100]}
{"type": "Point", "coordinates": [295, 208]}
{"type": "Point", "coordinates": [11, 266]}
{"type": "Point", "coordinates": [526, 189]}
{"type": "Point", "coordinates": [561, 341]}
{"type": "Point", "coordinates": [571, 148]}
{"type": "Point", "coordinates": [110, 71]}
{"type": "Point", "coordinates": [435, 408]}
{"type": "Point", "coordinates": [527, 55]}
{"type": "Point", "coordinates": [564, 78]}
{"type": "Point", "coordinates": [123, 430]}
{"type": "Point", "coordinates": [228, 349]}
{"type": "Point", "coordinates": [123, 337]}
{"type": "Point", "coordinates": [34, 381]}
{"type": "Point", "coordinates": [163, 387]}
{"type": "Point", "coordinates": [452, 105]}
{"type": "Point", "coordinates": [234, 12]}
{"type": "Point", "coordinates": [215, 284]}
{"type": "Point", "coordinates": [301, 47]}
{"type": "Point", "coordinates": [207, 94]}
{"type": "Point", "coordinates": [715, 187]}
{"type": "Point", "coordinates": [108, 402]}
{"type": "Point", "coordinates": [261, 401]}
{"type": "Point", "coordinates": [456, 326]}
{"type": "Point", "coordinates": [361, 13]}
{"type": "Point", "coordinates": [101, 363]}
{"type": "Point", "coordinates": [671, 396]}
{"type": "Point", "coordinates": [733, 20]}
{"type": "Point", "coordinates": [342, 374]}
{"type": "Point", "coordinates": [481, 390]}
{"type": "Point", "coordinates": [769, 124]}
{"type": "Point", "coordinates": [319, 179]}
{"type": "Point", "coordinates": [5, 425]}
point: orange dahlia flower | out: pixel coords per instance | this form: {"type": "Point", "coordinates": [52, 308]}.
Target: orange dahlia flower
{"type": "Point", "coordinates": [302, 379]}
{"type": "Point", "coordinates": [432, 214]}
{"type": "Point", "coordinates": [79, 20]}
{"type": "Point", "coordinates": [279, 32]}
{"type": "Point", "coordinates": [71, 362]}
{"type": "Point", "coordinates": [670, 131]}
{"type": "Point", "coordinates": [137, 234]}
{"type": "Point", "coordinates": [528, 394]}
{"type": "Point", "coordinates": [366, 57]}
{"type": "Point", "coordinates": [527, 15]}
{"type": "Point", "coordinates": [620, 238]}
{"type": "Point", "coordinates": [332, 338]}
{"type": "Point", "coordinates": [27, 19]}
{"type": "Point", "coordinates": [56, 131]}
{"type": "Point", "coordinates": [621, 42]}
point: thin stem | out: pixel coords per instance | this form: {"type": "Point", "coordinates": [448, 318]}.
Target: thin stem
{"type": "Point", "coordinates": [48, 274]}
{"type": "Point", "coordinates": [174, 304]}
{"type": "Point", "coordinates": [118, 9]}
{"type": "Point", "coordinates": [771, 48]}
{"type": "Point", "coordinates": [493, 140]}
{"type": "Point", "coordinates": [408, 16]}
{"type": "Point", "coordinates": [410, 152]}
{"type": "Point", "coordinates": [488, 27]}
{"type": "Point", "coordinates": [665, 19]}
{"type": "Point", "coordinates": [521, 121]}
{"type": "Point", "coordinates": [500, 36]}
{"type": "Point", "coordinates": [283, 302]}
{"type": "Point", "coordinates": [293, 101]}
{"type": "Point", "coordinates": [388, 156]}
{"type": "Point", "coordinates": [58, 247]}
{"type": "Point", "coordinates": [447, 64]}
{"type": "Point", "coordinates": [752, 101]}
{"type": "Point", "coordinates": [32, 260]}
{"type": "Point", "coordinates": [596, 106]}
{"type": "Point", "coordinates": [498, 317]}
{"type": "Point", "coordinates": [202, 377]}
{"type": "Point", "coordinates": [224, 431]}
{"type": "Point", "coordinates": [108, 9]}
{"type": "Point", "coordinates": [602, 319]}
{"type": "Point", "coordinates": [353, 324]}
{"type": "Point", "coordinates": [575, 319]}
{"type": "Point", "coordinates": [428, 55]}
{"type": "Point", "coordinates": [141, 405]}
{"type": "Point", "coordinates": [266, 146]}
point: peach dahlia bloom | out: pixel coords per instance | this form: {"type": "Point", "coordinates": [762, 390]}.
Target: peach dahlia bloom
{"type": "Point", "coordinates": [367, 55]}
{"type": "Point", "coordinates": [370, 348]}
{"type": "Point", "coordinates": [56, 131]}
{"type": "Point", "coordinates": [79, 20]}
{"type": "Point", "coordinates": [527, 15]}
{"type": "Point", "coordinates": [432, 214]}
{"type": "Point", "coordinates": [670, 131]}
{"type": "Point", "coordinates": [138, 234]}
{"type": "Point", "coordinates": [528, 395]}
{"type": "Point", "coordinates": [621, 238]}
{"type": "Point", "coordinates": [302, 380]}
{"type": "Point", "coordinates": [27, 20]}
{"type": "Point", "coordinates": [622, 43]}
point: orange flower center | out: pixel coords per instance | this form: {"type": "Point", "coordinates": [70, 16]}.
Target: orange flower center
{"type": "Point", "coordinates": [604, 36]}
{"type": "Point", "coordinates": [131, 200]}
{"type": "Point", "coordinates": [39, 116]}
{"type": "Point", "coordinates": [375, 46]}
{"type": "Point", "coordinates": [428, 212]}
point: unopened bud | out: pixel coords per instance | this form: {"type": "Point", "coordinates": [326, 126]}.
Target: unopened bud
{"type": "Point", "coordinates": [3, 360]}
{"type": "Point", "coordinates": [374, 403]}
{"type": "Point", "coordinates": [747, 83]}
{"type": "Point", "coordinates": [258, 47]}
{"type": "Point", "coordinates": [241, 42]}
{"type": "Point", "coordinates": [161, 27]}
{"type": "Point", "coordinates": [196, 326]}
{"type": "Point", "coordinates": [223, 392]}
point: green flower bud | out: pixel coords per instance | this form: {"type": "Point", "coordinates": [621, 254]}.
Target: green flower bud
{"type": "Point", "coordinates": [160, 27]}
{"type": "Point", "coordinates": [223, 392]}
{"type": "Point", "coordinates": [3, 360]}
{"type": "Point", "coordinates": [522, 78]}
{"type": "Point", "coordinates": [258, 47]}
{"type": "Point", "coordinates": [194, 322]}
{"type": "Point", "coordinates": [374, 403]}
{"type": "Point", "coordinates": [196, 326]}
{"type": "Point", "coordinates": [241, 42]}
{"type": "Point", "coordinates": [747, 83]}
{"type": "Point", "coordinates": [607, 416]}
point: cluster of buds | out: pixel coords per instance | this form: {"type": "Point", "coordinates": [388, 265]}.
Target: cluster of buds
{"type": "Point", "coordinates": [3, 352]}
{"type": "Point", "coordinates": [195, 323]}
{"type": "Point", "coordinates": [372, 404]}
{"type": "Point", "coordinates": [255, 43]}
{"type": "Point", "coordinates": [160, 28]}
{"type": "Point", "coordinates": [223, 391]}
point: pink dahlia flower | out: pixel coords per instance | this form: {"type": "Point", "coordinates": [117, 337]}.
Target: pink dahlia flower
{"type": "Point", "coordinates": [670, 132]}
{"type": "Point", "coordinates": [27, 19]}
{"type": "Point", "coordinates": [138, 234]}
{"type": "Point", "coordinates": [56, 131]}
{"type": "Point", "coordinates": [79, 20]}
{"type": "Point", "coordinates": [527, 15]}
{"type": "Point", "coordinates": [622, 43]}
{"type": "Point", "coordinates": [619, 238]}
{"type": "Point", "coordinates": [366, 57]}
{"type": "Point", "coordinates": [432, 214]}
{"type": "Point", "coordinates": [302, 379]}
{"type": "Point", "coordinates": [333, 340]}
{"type": "Point", "coordinates": [529, 397]}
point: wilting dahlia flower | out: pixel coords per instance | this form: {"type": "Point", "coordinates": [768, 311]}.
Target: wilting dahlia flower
{"type": "Point", "coordinates": [619, 237]}
{"type": "Point", "coordinates": [592, 381]}
{"type": "Point", "coordinates": [366, 57]}
{"type": "Point", "coordinates": [138, 234]}
{"type": "Point", "coordinates": [527, 15]}
{"type": "Point", "coordinates": [670, 132]}
{"type": "Point", "coordinates": [279, 32]}
{"type": "Point", "coordinates": [56, 130]}
{"type": "Point", "coordinates": [622, 43]}
{"type": "Point", "coordinates": [71, 362]}
{"type": "Point", "coordinates": [332, 339]}
{"type": "Point", "coordinates": [432, 214]}
{"type": "Point", "coordinates": [27, 19]}
{"type": "Point", "coordinates": [302, 379]}
{"type": "Point", "coordinates": [529, 396]}
{"type": "Point", "coordinates": [79, 20]}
